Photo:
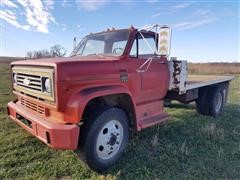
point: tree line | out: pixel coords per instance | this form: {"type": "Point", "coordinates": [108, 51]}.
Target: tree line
{"type": "Point", "coordinates": [54, 51]}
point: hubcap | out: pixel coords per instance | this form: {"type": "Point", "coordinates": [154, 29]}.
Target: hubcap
{"type": "Point", "coordinates": [218, 102]}
{"type": "Point", "coordinates": [109, 139]}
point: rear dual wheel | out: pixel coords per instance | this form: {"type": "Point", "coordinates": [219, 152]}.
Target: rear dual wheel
{"type": "Point", "coordinates": [216, 102]}
{"type": "Point", "coordinates": [210, 101]}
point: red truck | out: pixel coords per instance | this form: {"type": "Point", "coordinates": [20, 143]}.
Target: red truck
{"type": "Point", "coordinates": [113, 81]}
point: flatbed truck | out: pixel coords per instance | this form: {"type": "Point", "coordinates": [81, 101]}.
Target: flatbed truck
{"type": "Point", "coordinates": [113, 81]}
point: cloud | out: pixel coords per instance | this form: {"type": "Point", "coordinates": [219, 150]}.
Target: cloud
{"type": "Point", "coordinates": [64, 27]}
{"type": "Point", "coordinates": [10, 17]}
{"type": "Point", "coordinates": [180, 6]}
{"type": "Point", "coordinates": [80, 28]}
{"type": "Point", "coordinates": [49, 4]}
{"type": "Point", "coordinates": [37, 14]}
{"type": "Point", "coordinates": [152, 1]}
{"type": "Point", "coordinates": [193, 24]}
{"type": "Point", "coordinates": [171, 9]}
{"type": "Point", "coordinates": [156, 15]}
{"type": "Point", "coordinates": [202, 12]}
{"type": "Point", "coordinates": [8, 3]}
{"type": "Point", "coordinates": [90, 5]}
{"type": "Point", "coordinates": [65, 3]}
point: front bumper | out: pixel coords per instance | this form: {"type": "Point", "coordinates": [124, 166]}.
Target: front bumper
{"type": "Point", "coordinates": [55, 135]}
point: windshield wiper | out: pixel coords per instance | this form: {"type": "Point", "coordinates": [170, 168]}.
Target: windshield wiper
{"type": "Point", "coordinates": [95, 54]}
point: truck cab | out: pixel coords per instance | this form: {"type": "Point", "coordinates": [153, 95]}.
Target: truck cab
{"type": "Point", "coordinates": [113, 81]}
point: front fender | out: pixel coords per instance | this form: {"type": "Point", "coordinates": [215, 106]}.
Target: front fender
{"type": "Point", "coordinates": [78, 101]}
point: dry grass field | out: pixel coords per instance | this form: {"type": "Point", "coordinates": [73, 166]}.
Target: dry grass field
{"type": "Point", "coordinates": [214, 68]}
{"type": "Point", "coordinates": [189, 146]}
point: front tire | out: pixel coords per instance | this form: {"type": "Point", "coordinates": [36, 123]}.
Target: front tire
{"type": "Point", "coordinates": [106, 138]}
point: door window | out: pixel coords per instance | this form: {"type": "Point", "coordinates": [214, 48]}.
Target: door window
{"type": "Point", "coordinates": [141, 49]}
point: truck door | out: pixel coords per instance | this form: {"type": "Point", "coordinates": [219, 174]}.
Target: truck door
{"type": "Point", "coordinates": [151, 82]}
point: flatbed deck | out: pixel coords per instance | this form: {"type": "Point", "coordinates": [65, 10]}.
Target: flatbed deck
{"type": "Point", "coordinates": [197, 81]}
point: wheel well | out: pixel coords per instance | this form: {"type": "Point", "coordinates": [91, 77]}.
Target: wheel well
{"type": "Point", "coordinates": [122, 101]}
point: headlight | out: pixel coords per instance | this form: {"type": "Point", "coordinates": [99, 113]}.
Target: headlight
{"type": "Point", "coordinates": [47, 85]}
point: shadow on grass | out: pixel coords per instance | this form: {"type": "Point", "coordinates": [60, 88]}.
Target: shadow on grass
{"type": "Point", "coordinates": [180, 105]}
{"type": "Point", "coordinates": [80, 154]}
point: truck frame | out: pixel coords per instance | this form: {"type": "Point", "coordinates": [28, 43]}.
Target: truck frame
{"type": "Point", "coordinates": [113, 81]}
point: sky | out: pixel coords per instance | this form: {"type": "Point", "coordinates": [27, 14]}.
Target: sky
{"type": "Point", "coordinates": [202, 31]}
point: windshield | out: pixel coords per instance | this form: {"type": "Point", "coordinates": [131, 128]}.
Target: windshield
{"type": "Point", "coordinates": [110, 43]}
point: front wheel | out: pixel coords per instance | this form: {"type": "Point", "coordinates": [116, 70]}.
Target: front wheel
{"type": "Point", "coordinates": [106, 139]}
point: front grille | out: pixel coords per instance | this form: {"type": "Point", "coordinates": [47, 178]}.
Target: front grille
{"type": "Point", "coordinates": [32, 106]}
{"type": "Point", "coordinates": [29, 81]}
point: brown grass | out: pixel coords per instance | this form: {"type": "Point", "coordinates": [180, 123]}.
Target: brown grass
{"type": "Point", "coordinates": [214, 68]}
{"type": "Point", "coordinates": [7, 59]}
{"type": "Point", "coordinates": [193, 68]}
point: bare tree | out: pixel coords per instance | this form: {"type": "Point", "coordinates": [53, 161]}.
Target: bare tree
{"type": "Point", "coordinates": [57, 51]}
{"type": "Point", "coordinates": [37, 55]}
{"type": "Point", "coordinates": [30, 55]}
{"type": "Point", "coordinates": [45, 53]}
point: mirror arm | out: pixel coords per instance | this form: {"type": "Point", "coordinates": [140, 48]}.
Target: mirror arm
{"type": "Point", "coordinates": [149, 61]}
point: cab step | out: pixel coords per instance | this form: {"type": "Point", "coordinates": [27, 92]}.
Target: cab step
{"type": "Point", "coordinates": [154, 120]}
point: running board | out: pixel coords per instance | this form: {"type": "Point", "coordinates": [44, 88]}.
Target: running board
{"type": "Point", "coordinates": [154, 120]}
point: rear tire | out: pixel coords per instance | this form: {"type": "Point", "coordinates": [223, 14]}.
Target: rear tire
{"type": "Point", "coordinates": [215, 101]}
{"type": "Point", "coordinates": [106, 138]}
{"type": "Point", "coordinates": [201, 101]}
{"type": "Point", "coordinates": [210, 101]}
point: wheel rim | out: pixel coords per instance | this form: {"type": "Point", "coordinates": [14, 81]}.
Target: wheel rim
{"type": "Point", "coordinates": [218, 102]}
{"type": "Point", "coordinates": [109, 139]}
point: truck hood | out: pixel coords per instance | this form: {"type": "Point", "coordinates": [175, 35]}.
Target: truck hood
{"type": "Point", "coordinates": [63, 60]}
{"type": "Point", "coordinates": [75, 68]}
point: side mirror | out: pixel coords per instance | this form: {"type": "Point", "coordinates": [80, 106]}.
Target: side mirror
{"type": "Point", "coordinates": [164, 41]}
